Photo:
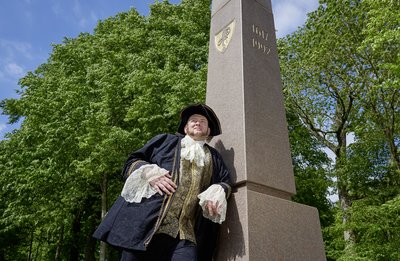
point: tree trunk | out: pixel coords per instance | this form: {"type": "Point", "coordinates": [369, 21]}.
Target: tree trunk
{"type": "Point", "coordinates": [76, 229]}
{"type": "Point", "coordinates": [90, 248]}
{"type": "Point", "coordinates": [59, 244]}
{"type": "Point", "coordinates": [30, 247]}
{"type": "Point", "coordinates": [104, 185]}
{"type": "Point", "coordinates": [393, 148]}
{"type": "Point", "coordinates": [345, 204]}
{"type": "Point", "coordinates": [344, 197]}
{"type": "Point", "coordinates": [36, 253]}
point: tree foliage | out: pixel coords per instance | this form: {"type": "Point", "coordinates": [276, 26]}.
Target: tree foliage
{"type": "Point", "coordinates": [98, 97]}
{"type": "Point", "coordinates": [311, 169]}
{"type": "Point", "coordinates": [341, 78]}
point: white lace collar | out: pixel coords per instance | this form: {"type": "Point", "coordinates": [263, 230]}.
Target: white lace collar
{"type": "Point", "coordinates": [193, 150]}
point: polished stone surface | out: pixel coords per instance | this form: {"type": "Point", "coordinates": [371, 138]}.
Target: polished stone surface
{"type": "Point", "coordinates": [245, 90]}
{"type": "Point", "coordinates": [262, 227]}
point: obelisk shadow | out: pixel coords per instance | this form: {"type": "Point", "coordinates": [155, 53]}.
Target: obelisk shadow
{"type": "Point", "coordinates": [229, 156]}
{"type": "Point", "coordinates": [231, 230]}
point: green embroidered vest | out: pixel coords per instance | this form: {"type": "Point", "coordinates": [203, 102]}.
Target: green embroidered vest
{"type": "Point", "coordinates": [181, 216]}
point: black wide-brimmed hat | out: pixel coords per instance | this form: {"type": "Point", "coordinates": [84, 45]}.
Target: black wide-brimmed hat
{"type": "Point", "coordinates": [202, 109]}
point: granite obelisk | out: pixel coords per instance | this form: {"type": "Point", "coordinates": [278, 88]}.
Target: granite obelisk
{"type": "Point", "coordinates": [244, 88]}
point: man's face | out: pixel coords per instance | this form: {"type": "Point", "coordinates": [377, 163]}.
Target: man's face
{"type": "Point", "coordinates": [197, 127]}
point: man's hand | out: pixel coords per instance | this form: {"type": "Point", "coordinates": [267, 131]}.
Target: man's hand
{"type": "Point", "coordinates": [163, 184]}
{"type": "Point", "coordinates": [212, 208]}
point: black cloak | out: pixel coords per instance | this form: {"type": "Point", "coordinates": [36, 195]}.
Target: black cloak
{"type": "Point", "coordinates": [132, 225]}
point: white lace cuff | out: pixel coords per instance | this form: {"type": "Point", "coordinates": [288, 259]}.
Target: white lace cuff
{"type": "Point", "coordinates": [137, 184]}
{"type": "Point", "coordinates": [214, 193]}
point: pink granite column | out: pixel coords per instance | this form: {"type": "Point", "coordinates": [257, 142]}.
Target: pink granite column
{"type": "Point", "coordinates": [244, 89]}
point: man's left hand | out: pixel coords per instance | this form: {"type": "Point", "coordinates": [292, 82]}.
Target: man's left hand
{"type": "Point", "coordinates": [212, 208]}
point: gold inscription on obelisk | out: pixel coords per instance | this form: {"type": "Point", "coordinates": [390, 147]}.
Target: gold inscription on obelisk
{"type": "Point", "coordinates": [260, 39]}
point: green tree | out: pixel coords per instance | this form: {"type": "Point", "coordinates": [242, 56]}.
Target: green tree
{"type": "Point", "coordinates": [96, 99]}
{"type": "Point", "coordinates": [321, 73]}
{"type": "Point", "coordinates": [381, 46]}
{"type": "Point", "coordinates": [311, 169]}
{"type": "Point", "coordinates": [341, 74]}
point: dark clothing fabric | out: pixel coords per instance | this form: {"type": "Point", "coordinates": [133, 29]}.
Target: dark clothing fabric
{"type": "Point", "coordinates": [164, 248]}
{"type": "Point", "coordinates": [131, 226]}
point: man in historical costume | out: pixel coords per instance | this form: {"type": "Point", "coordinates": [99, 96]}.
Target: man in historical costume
{"type": "Point", "coordinates": [174, 197]}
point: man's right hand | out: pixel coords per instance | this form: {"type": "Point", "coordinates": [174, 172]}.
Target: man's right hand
{"type": "Point", "coordinates": [164, 184]}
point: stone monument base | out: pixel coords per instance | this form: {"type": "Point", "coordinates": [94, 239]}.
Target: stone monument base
{"type": "Point", "coordinates": [262, 227]}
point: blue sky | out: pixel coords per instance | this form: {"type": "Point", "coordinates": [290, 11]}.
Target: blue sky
{"type": "Point", "coordinates": [28, 28]}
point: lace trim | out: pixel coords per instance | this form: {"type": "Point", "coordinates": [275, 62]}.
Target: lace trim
{"type": "Point", "coordinates": [214, 193]}
{"type": "Point", "coordinates": [137, 184]}
{"type": "Point", "coordinates": [193, 150]}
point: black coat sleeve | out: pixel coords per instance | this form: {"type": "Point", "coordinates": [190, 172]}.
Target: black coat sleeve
{"type": "Point", "coordinates": [159, 150]}
{"type": "Point", "coordinates": [128, 225]}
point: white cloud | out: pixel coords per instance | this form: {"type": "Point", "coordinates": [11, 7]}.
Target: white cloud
{"type": "Point", "coordinates": [3, 126]}
{"type": "Point", "coordinates": [77, 9]}
{"type": "Point", "coordinates": [11, 49]}
{"type": "Point", "coordinates": [93, 17]}
{"type": "Point", "coordinates": [87, 22]}
{"type": "Point", "coordinates": [29, 18]}
{"type": "Point", "coordinates": [10, 53]}
{"type": "Point", "coordinates": [56, 8]}
{"type": "Point", "coordinates": [14, 70]}
{"type": "Point", "coordinates": [71, 13]}
{"type": "Point", "coordinates": [83, 22]}
{"type": "Point", "coordinates": [86, 18]}
{"type": "Point", "coordinates": [291, 14]}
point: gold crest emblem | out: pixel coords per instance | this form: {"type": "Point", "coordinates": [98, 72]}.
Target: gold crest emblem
{"type": "Point", "coordinates": [223, 37]}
